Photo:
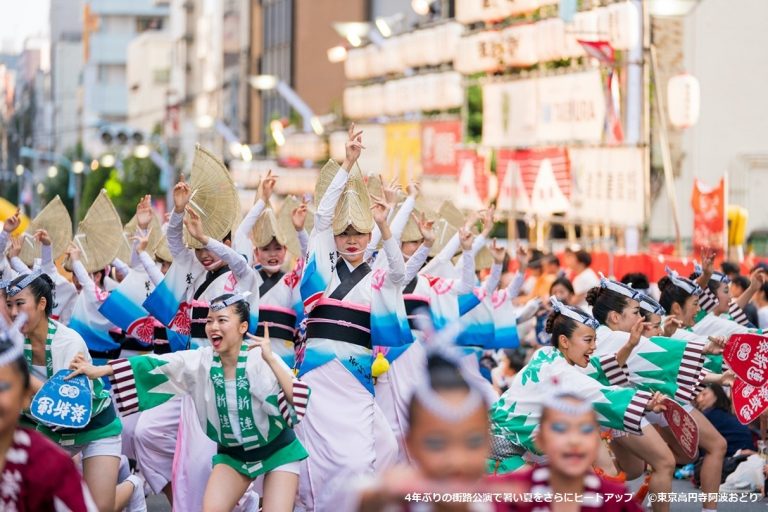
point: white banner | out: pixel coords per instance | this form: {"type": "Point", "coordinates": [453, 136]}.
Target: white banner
{"type": "Point", "coordinates": [559, 109]}
{"type": "Point", "coordinates": [608, 186]}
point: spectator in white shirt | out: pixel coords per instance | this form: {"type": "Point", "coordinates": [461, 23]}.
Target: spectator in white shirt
{"type": "Point", "coordinates": [584, 278]}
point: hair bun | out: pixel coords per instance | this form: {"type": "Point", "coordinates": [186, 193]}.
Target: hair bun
{"type": "Point", "coordinates": [592, 295]}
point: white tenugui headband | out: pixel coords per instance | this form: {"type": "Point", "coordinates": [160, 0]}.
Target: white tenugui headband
{"type": "Point", "coordinates": [15, 289]}
{"type": "Point", "coordinates": [218, 306]}
{"type": "Point", "coordinates": [718, 277]}
{"type": "Point", "coordinates": [620, 288]}
{"type": "Point", "coordinates": [685, 284]}
{"type": "Point", "coordinates": [559, 401]}
{"type": "Point", "coordinates": [573, 313]}
{"type": "Point", "coordinates": [650, 305]}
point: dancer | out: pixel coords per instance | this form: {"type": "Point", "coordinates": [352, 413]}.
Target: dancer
{"type": "Point", "coordinates": [247, 401]}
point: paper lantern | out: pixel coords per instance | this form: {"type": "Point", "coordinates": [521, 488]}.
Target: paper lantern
{"type": "Point", "coordinates": [624, 25]}
{"type": "Point", "coordinates": [392, 105]}
{"type": "Point", "coordinates": [683, 100]}
{"type": "Point", "coordinates": [451, 35]}
{"type": "Point", "coordinates": [355, 66]}
{"type": "Point", "coordinates": [390, 55]}
{"type": "Point", "coordinates": [451, 91]}
{"type": "Point", "coordinates": [519, 46]}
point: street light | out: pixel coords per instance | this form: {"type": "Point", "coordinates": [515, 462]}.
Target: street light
{"type": "Point", "coordinates": [107, 160]}
{"type": "Point", "coordinates": [53, 171]}
{"type": "Point", "coordinates": [337, 54]}
{"type": "Point", "coordinates": [19, 170]}
{"type": "Point", "coordinates": [95, 165]}
{"type": "Point", "coordinates": [40, 188]}
{"type": "Point", "coordinates": [421, 7]}
{"type": "Point", "coordinates": [205, 122]}
{"type": "Point", "coordinates": [245, 153]}
{"type": "Point", "coordinates": [78, 167]}
{"type": "Point", "coordinates": [277, 132]}
{"type": "Point", "coordinates": [141, 151]}
{"type": "Point", "coordinates": [267, 82]}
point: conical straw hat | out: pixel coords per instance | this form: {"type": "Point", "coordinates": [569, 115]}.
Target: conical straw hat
{"type": "Point", "coordinates": [444, 231]}
{"type": "Point", "coordinates": [310, 222]}
{"type": "Point", "coordinates": [453, 215]}
{"type": "Point", "coordinates": [373, 184]}
{"type": "Point", "coordinates": [285, 223]}
{"type": "Point", "coordinates": [125, 249]}
{"type": "Point", "coordinates": [324, 179]}
{"type": "Point", "coordinates": [483, 259]}
{"type": "Point", "coordinates": [155, 233]}
{"type": "Point", "coordinates": [214, 197]}
{"type": "Point", "coordinates": [266, 228]}
{"type": "Point", "coordinates": [354, 207]}
{"type": "Point", "coordinates": [99, 234]}
{"type": "Point", "coordinates": [162, 251]}
{"type": "Point", "coordinates": [55, 219]}
{"type": "Point", "coordinates": [411, 232]}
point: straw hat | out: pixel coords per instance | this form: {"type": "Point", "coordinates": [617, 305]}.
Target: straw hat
{"type": "Point", "coordinates": [324, 179]}
{"type": "Point", "coordinates": [99, 234]}
{"type": "Point", "coordinates": [373, 184]}
{"type": "Point", "coordinates": [162, 251]}
{"type": "Point", "coordinates": [56, 221]}
{"type": "Point", "coordinates": [285, 224]}
{"type": "Point", "coordinates": [155, 233]}
{"type": "Point", "coordinates": [354, 207]}
{"type": "Point", "coordinates": [214, 197]}
{"type": "Point", "coordinates": [411, 231]}
{"type": "Point", "coordinates": [125, 249]}
{"type": "Point", "coordinates": [450, 213]}
{"type": "Point", "coordinates": [484, 258]}
{"type": "Point", "coordinates": [266, 228]}
{"type": "Point", "coordinates": [310, 222]}
{"type": "Point", "coordinates": [444, 231]}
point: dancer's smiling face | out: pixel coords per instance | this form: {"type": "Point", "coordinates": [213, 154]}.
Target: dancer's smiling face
{"type": "Point", "coordinates": [351, 244]}
{"type": "Point", "coordinates": [271, 256]}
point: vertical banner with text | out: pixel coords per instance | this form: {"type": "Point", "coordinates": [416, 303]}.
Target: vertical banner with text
{"type": "Point", "coordinates": [709, 219]}
{"type": "Point", "coordinates": [439, 143]}
{"type": "Point", "coordinates": [403, 143]}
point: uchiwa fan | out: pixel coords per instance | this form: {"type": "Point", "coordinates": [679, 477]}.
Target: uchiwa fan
{"type": "Point", "coordinates": [55, 219]}
{"type": "Point", "coordinates": [285, 224]}
{"type": "Point", "coordinates": [99, 234]}
{"type": "Point", "coordinates": [214, 197]}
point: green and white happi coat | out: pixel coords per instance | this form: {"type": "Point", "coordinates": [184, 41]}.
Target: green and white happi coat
{"type": "Point", "coordinates": [670, 366]}
{"type": "Point", "coordinates": [515, 416]}
{"type": "Point", "coordinates": [62, 344]}
{"type": "Point", "coordinates": [263, 414]}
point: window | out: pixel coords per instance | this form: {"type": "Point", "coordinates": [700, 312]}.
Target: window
{"type": "Point", "coordinates": [161, 76]}
{"type": "Point", "coordinates": [145, 23]}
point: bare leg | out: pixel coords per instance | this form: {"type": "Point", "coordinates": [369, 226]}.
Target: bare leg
{"type": "Point", "coordinates": [632, 465]}
{"type": "Point", "coordinates": [280, 491]}
{"type": "Point", "coordinates": [100, 474]}
{"type": "Point", "coordinates": [651, 448]}
{"type": "Point", "coordinates": [225, 488]}
{"type": "Point", "coordinates": [715, 447]}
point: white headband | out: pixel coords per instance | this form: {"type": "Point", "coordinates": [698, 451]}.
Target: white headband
{"type": "Point", "coordinates": [573, 313]}
{"type": "Point", "coordinates": [685, 284]}
{"type": "Point", "coordinates": [651, 305]}
{"type": "Point", "coordinates": [620, 288]}
{"type": "Point", "coordinates": [559, 402]}
{"type": "Point", "coordinates": [718, 277]}
{"type": "Point", "coordinates": [218, 306]}
{"type": "Point", "coordinates": [15, 289]}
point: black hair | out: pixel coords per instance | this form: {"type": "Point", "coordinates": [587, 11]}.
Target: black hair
{"type": "Point", "coordinates": [516, 358]}
{"type": "Point", "coordinates": [19, 363]}
{"type": "Point", "coordinates": [559, 324]}
{"type": "Point", "coordinates": [242, 309]}
{"type": "Point", "coordinates": [741, 281]}
{"type": "Point", "coordinates": [583, 257]}
{"type": "Point", "coordinates": [564, 282]}
{"type": "Point", "coordinates": [603, 301]}
{"type": "Point", "coordinates": [40, 287]}
{"type": "Point", "coordinates": [721, 399]}
{"type": "Point", "coordinates": [444, 375]}
{"type": "Point", "coordinates": [552, 259]}
{"type": "Point", "coordinates": [671, 294]}
{"type": "Point", "coordinates": [713, 285]}
{"type": "Point", "coordinates": [764, 290]}
{"type": "Point", "coordinates": [638, 280]}
{"type": "Point", "coordinates": [728, 267]}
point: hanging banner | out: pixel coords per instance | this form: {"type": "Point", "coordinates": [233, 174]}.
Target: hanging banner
{"type": "Point", "coordinates": [473, 180]}
{"type": "Point", "coordinates": [403, 152]}
{"type": "Point", "coordinates": [608, 186]}
{"type": "Point", "coordinates": [709, 220]}
{"type": "Point", "coordinates": [560, 109]}
{"type": "Point", "coordinates": [439, 143]}
{"type": "Point", "coordinates": [534, 181]}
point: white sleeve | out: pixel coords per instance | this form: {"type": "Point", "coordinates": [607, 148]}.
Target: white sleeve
{"type": "Point", "coordinates": [4, 237]}
{"type": "Point", "coordinates": [478, 243]}
{"type": "Point", "coordinates": [467, 281]}
{"type": "Point", "coordinates": [46, 256]}
{"type": "Point", "coordinates": [513, 289]}
{"type": "Point", "coordinates": [401, 218]}
{"type": "Point", "coordinates": [19, 266]}
{"type": "Point", "coordinates": [447, 252]}
{"type": "Point", "coordinates": [237, 264]}
{"type": "Point", "coordinates": [83, 276]}
{"type": "Point", "coordinates": [121, 267]}
{"type": "Point", "coordinates": [395, 260]}
{"type": "Point", "coordinates": [327, 206]}
{"type": "Point", "coordinates": [493, 279]}
{"type": "Point", "coordinates": [375, 239]}
{"type": "Point", "coordinates": [303, 242]}
{"type": "Point", "coordinates": [241, 240]}
{"type": "Point", "coordinates": [415, 262]}
{"type": "Point", "coordinates": [175, 234]}
{"type": "Point", "coordinates": [150, 267]}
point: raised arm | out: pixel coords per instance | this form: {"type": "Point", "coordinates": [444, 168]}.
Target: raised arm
{"type": "Point", "coordinates": [391, 247]}
{"type": "Point", "coordinates": [83, 277]}
{"type": "Point", "coordinates": [492, 282]}
{"type": "Point", "coordinates": [242, 239]}
{"type": "Point", "coordinates": [175, 232]}
{"type": "Point", "coordinates": [418, 258]}
{"type": "Point", "coordinates": [298, 219]}
{"type": "Point", "coordinates": [327, 206]}
{"type": "Point", "coordinates": [9, 226]}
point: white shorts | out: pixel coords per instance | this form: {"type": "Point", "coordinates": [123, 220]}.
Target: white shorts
{"type": "Point", "coordinates": [109, 446]}
{"type": "Point", "coordinates": [291, 467]}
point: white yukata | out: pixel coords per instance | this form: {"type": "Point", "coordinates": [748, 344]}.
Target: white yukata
{"type": "Point", "coordinates": [345, 428]}
{"type": "Point", "coordinates": [169, 447]}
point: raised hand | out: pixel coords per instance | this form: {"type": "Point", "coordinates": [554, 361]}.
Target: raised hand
{"type": "Point", "coordinates": [299, 215]}
{"type": "Point", "coordinates": [636, 332]}
{"type": "Point", "coordinates": [43, 237]}
{"type": "Point", "coordinates": [195, 226]}
{"type": "Point", "coordinates": [522, 257]}
{"type": "Point", "coordinates": [268, 186]}
{"type": "Point", "coordinates": [181, 194]}
{"type": "Point", "coordinates": [14, 249]}
{"type": "Point", "coordinates": [426, 228]}
{"type": "Point", "coordinates": [353, 147]}
{"type": "Point", "coordinates": [264, 343]}
{"type": "Point", "coordinates": [414, 189]}
{"type": "Point", "coordinates": [12, 222]}
{"type": "Point", "coordinates": [73, 252]}
{"type": "Point", "coordinates": [142, 241]}
{"type": "Point", "coordinates": [466, 238]}
{"type": "Point", "coordinates": [715, 345]}
{"type": "Point", "coordinates": [144, 211]}
{"type": "Point", "coordinates": [379, 209]}
{"type": "Point", "coordinates": [390, 191]}
{"type": "Point", "coordinates": [488, 221]}
{"type": "Point", "coordinates": [80, 366]}
{"type": "Point", "coordinates": [671, 324]}
{"type": "Point", "coordinates": [498, 252]}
